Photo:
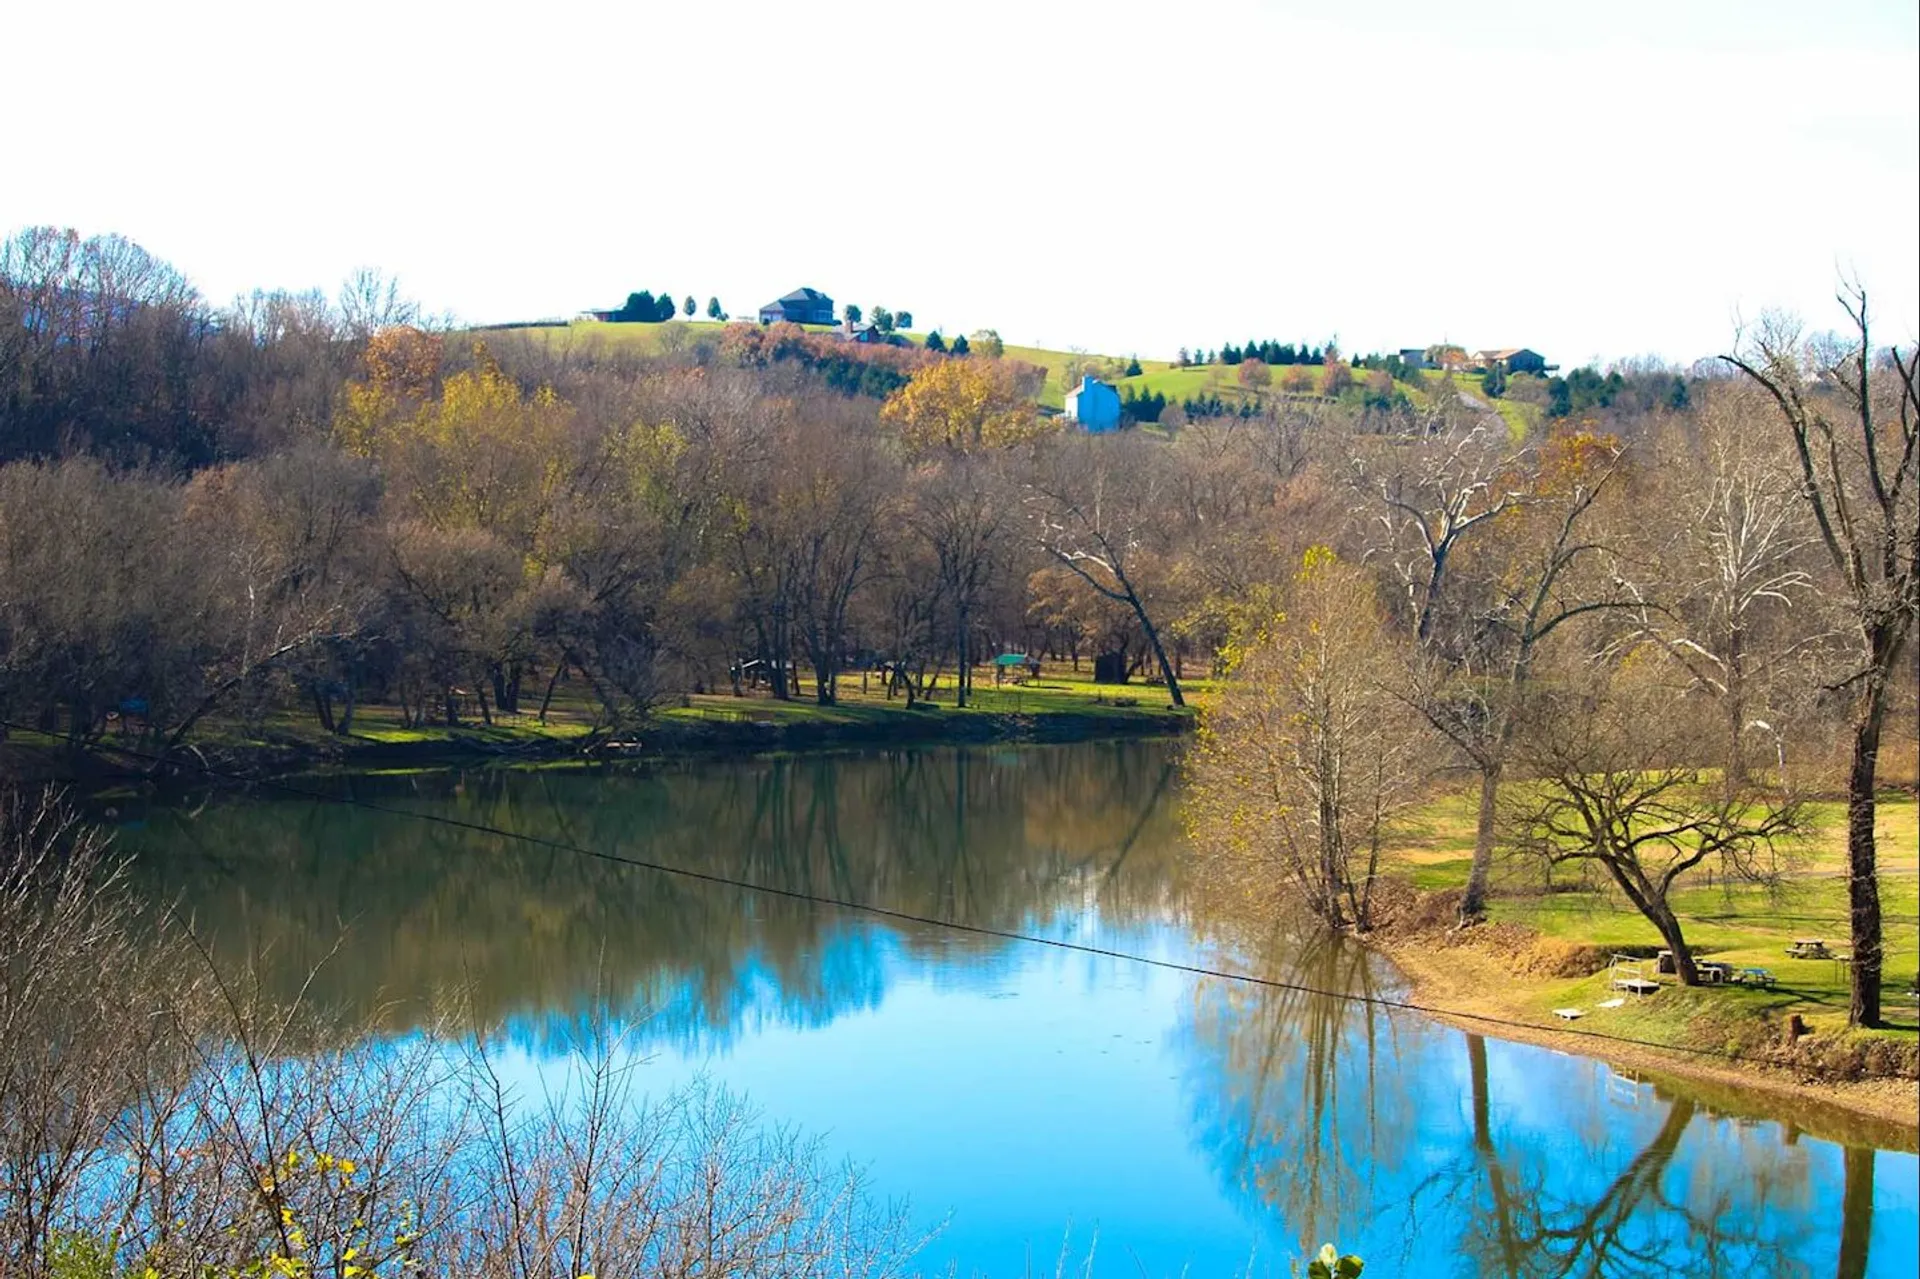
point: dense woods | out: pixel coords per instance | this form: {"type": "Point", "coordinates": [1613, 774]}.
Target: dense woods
{"type": "Point", "coordinates": [304, 504]}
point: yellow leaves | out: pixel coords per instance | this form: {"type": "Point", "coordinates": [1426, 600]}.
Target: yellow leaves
{"type": "Point", "coordinates": [479, 455]}
{"type": "Point", "coordinates": [963, 405]}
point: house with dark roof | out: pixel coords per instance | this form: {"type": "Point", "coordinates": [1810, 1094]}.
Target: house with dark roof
{"type": "Point", "coordinates": [802, 306]}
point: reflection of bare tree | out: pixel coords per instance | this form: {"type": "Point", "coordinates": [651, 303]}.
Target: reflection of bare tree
{"type": "Point", "coordinates": [1856, 1214]}
{"type": "Point", "coordinates": [1004, 839]}
{"type": "Point", "coordinates": [1328, 1114]}
{"type": "Point", "coordinates": [1295, 1105]}
{"type": "Point", "coordinates": [1527, 1218]}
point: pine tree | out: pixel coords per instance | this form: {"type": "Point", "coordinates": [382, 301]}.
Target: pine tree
{"type": "Point", "coordinates": [713, 309]}
{"type": "Point", "coordinates": [935, 342]}
{"type": "Point", "coordinates": [640, 306]}
{"type": "Point", "coordinates": [960, 345]}
{"type": "Point", "coordinates": [689, 306]}
{"type": "Point", "coordinates": [1133, 367]}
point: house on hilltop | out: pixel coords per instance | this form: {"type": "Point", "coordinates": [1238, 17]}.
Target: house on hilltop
{"type": "Point", "coordinates": [802, 306]}
{"type": "Point", "coordinates": [1512, 359]}
{"type": "Point", "coordinates": [1094, 405]}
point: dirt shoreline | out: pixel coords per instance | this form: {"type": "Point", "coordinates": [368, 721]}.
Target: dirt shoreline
{"type": "Point", "coordinates": [1884, 1112]}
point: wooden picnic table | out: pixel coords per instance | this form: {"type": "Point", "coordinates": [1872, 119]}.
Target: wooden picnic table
{"type": "Point", "coordinates": [1808, 948]}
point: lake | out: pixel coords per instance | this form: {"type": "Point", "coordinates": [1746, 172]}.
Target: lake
{"type": "Point", "coordinates": [1041, 1101]}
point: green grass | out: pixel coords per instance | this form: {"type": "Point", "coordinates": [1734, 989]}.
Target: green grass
{"type": "Point", "coordinates": [1741, 923]}
{"type": "Point", "coordinates": [1520, 418]}
{"type": "Point", "coordinates": [573, 715]}
{"type": "Point", "coordinates": [1156, 376]}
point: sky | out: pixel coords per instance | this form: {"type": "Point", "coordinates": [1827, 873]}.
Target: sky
{"type": "Point", "coordinates": [1593, 181]}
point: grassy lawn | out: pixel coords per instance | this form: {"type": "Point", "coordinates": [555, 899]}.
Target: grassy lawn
{"type": "Point", "coordinates": [1744, 924]}
{"type": "Point", "coordinates": [573, 714]}
{"type": "Point", "coordinates": [1056, 693]}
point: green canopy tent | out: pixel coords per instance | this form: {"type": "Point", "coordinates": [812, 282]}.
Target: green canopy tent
{"type": "Point", "coordinates": [1007, 662]}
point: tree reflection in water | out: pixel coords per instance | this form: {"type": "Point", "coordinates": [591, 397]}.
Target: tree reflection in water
{"type": "Point", "coordinates": [531, 935]}
{"type": "Point", "coordinates": [1294, 1092]}
{"type": "Point", "coordinates": [1322, 1118]}
{"type": "Point", "coordinates": [1341, 1120]}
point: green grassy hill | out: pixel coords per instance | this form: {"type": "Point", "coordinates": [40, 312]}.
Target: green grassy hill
{"type": "Point", "coordinates": [1155, 377]}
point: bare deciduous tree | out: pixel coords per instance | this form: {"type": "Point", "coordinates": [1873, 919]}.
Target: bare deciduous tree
{"type": "Point", "coordinates": [1616, 780]}
{"type": "Point", "coordinates": [1307, 757]}
{"type": "Point", "coordinates": [1854, 419]}
{"type": "Point", "coordinates": [1096, 513]}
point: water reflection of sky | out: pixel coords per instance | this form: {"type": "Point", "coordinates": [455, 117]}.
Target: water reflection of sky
{"type": "Point", "coordinates": [1041, 1099]}
{"type": "Point", "coordinates": [1029, 1095]}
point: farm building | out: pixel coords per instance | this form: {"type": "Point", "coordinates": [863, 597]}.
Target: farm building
{"type": "Point", "coordinates": [802, 306]}
{"type": "Point", "coordinates": [1094, 405]}
{"type": "Point", "coordinates": [1512, 359]}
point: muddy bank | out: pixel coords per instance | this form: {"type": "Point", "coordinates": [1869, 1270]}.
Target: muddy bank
{"type": "Point", "coordinates": [1492, 987]}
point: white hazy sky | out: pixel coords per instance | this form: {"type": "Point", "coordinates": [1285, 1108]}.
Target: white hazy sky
{"type": "Point", "coordinates": [1589, 180]}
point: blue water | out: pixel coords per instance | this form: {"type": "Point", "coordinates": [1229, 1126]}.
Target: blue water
{"type": "Point", "coordinates": [1039, 1102]}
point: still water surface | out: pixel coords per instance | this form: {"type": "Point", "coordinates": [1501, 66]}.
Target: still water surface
{"type": "Point", "coordinates": [1031, 1097]}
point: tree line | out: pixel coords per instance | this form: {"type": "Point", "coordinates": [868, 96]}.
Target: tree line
{"type": "Point", "coordinates": [1648, 637]}
{"type": "Point", "coordinates": [299, 504]}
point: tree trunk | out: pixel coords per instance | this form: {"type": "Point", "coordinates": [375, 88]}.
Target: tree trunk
{"type": "Point", "coordinates": [1159, 652]}
{"type": "Point", "coordinates": [344, 725]}
{"type": "Point", "coordinates": [1736, 767]}
{"type": "Point", "coordinates": [1863, 884]}
{"type": "Point", "coordinates": [323, 707]}
{"type": "Point", "coordinates": [1473, 903]}
{"type": "Point", "coordinates": [1669, 928]}
{"type": "Point", "coordinates": [559, 668]}
{"type": "Point", "coordinates": [960, 646]}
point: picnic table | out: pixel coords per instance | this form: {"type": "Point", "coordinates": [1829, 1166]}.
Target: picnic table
{"type": "Point", "coordinates": [1635, 985]}
{"type": "Point", "coordinates": [1755, 977]}
{"type": "Point", "coordinates": [1807, 948]}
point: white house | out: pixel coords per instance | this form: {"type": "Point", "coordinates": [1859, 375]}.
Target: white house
{"type": "Point", "coordinates": [1094, 405]}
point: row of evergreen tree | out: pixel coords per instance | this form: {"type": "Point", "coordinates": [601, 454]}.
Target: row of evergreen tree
{"type": "Point", "coordinates": [1268, 352]}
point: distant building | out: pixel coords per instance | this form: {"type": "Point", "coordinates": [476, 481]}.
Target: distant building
{"type": "Point", "coordinates": [1512, 359]}
{"type": "Point", "coordinates": [1414, 357]}
{"type": "Point", "coordinates": [862, 333]}
{"type": "Point", "coordinates": [1094, 405]}
{"type": "Point", "coordinates": [802, 306]}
